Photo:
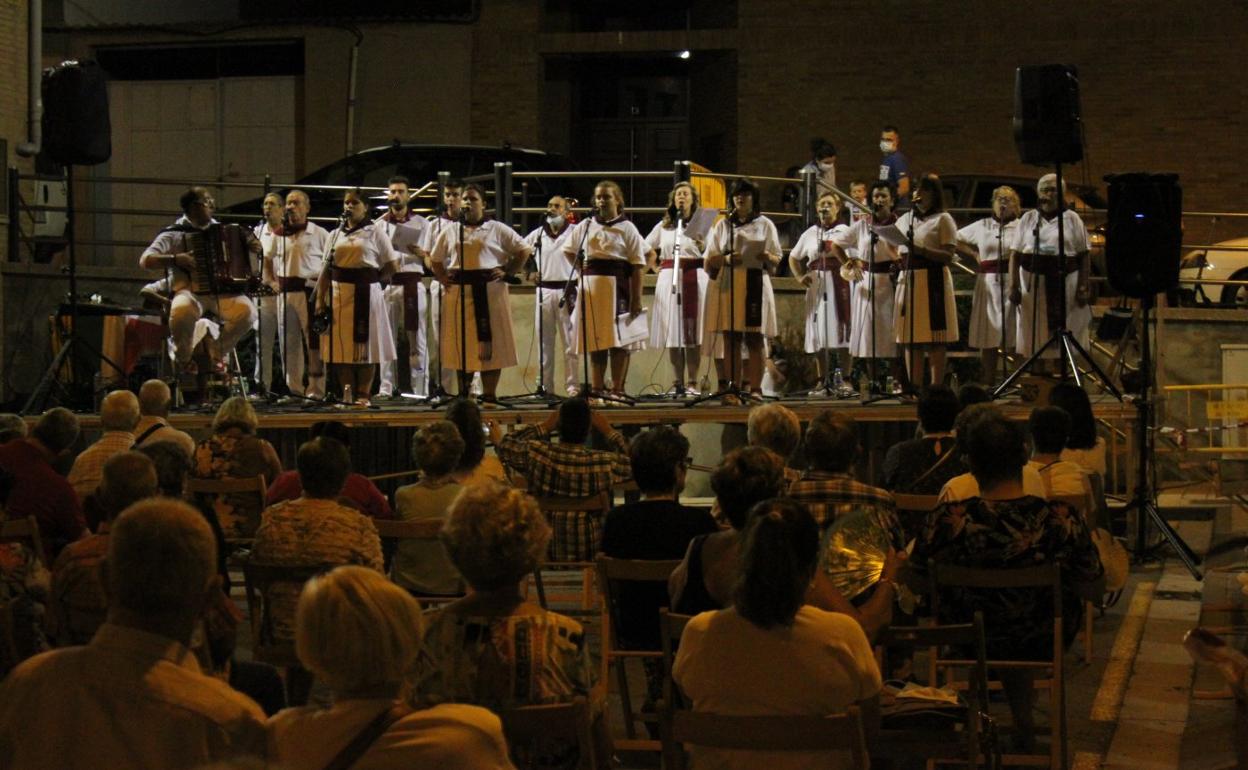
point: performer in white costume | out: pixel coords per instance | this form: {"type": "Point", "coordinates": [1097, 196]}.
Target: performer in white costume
{"type": "Point", "coordinates": [407, 297]}
{"type": "Point", "coordinates": [993, 324]}
{"type": "Point", "coordinates": [926, 317]}
{"type": "Point", "coordinates": [676, 318]}
{"type": "Point", "coordinates": [816, 261]}
{"type": "Point", "coordinates": [291, 266]}
{"type": "Point", "coordinates": [550, 274]}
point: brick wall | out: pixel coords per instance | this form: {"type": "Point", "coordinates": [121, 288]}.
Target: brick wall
{"type": "Point", "coordinates": [506, 75]}
{"type": "Point", "coordinates": [13, 126]}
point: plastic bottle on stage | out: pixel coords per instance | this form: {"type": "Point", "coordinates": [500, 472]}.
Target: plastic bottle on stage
{"type": "Point", "coordinates": [953, 381]}
{"type": "Point", "coordinates": [346, 395]}
{"type": "Point", "coordinates": [864, 385]}
{"type": "Point", "coordinates": [838, 381]}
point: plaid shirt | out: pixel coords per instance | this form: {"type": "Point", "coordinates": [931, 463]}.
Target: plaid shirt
{"type": "Point", "coordinates": [567, 470]}
{"type": "Point", "coordinates": [830, 495]}
{"type": "Point", "coordinates": [88, 468]}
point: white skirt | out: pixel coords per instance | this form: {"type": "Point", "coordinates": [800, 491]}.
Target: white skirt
{"type": "Point", "coordinates": [986, 323]}
{"type": "Point", "coordinates": [730, 308]}
{"type": "Point", "coordinates": [599, 312]}
{"type": "Point", "coordinates": [871, 330]}
{"type": "Point", "coordinates": [913, 314]}
{"type": "Point", "coordinates": [666, 330]}
{"type": "Point", "coordinates": [1033, 320]}
{"type": "Point", "coordinates": [823, 322]}
{"type": "Point", "coordinates": [338, 345]}
{"type": "Point", "coordinates": [500, 353]}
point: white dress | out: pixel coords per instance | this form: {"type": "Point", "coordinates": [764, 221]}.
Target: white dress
{"type": "Point", "coordinates": [486, 246]}
{"type": "Point", "coordinates": [597, 301]}
{"type": "Point", "coordinates": [666, 328]}
{"type": "Point", "coordinates": [828, 308]}
{"type": "Point", "coordinates": [403, 236]}
{"type": "Point", "coordinates": [548, 316]}
{"type": "Point", "coordinates": [731, 311]}
{"type": "Point", "coordinates": [927, 314]}
{"type": "Point", "coordinates": [364, 247]}
{"type": "Point", "coordinates": [1033, 322]}
{"type": "Point", "coordinates": [871, 295]}
{"type": "Point", "coordinates": [992, 281]}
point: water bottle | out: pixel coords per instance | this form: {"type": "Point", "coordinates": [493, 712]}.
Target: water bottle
{"type": "Point", "coordinates": [864, 385]}
{"type": "Point", "coordinates": [838, 381]}
{"type": "Point", "coordinates": [346, 395]}
{"type": "Point", "coordinates": [97, 384]}
{"type": "Point", "coordinates": [953, 381]}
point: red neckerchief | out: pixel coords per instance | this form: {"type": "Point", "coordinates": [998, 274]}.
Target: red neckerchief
{"type": "Point", "coordinates": [738, 223]}
{"type": "Point", "coordinates": [291, 229]}
{"type": "Point", "coordinates": [553, 235]}
{"type": "Point", "coordinates": [389, 217]}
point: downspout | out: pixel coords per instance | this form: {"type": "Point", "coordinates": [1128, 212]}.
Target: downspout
{"type": "Point", "coordinates": [34, 107]}
{"type": "Point", "coordinates": [351, 80]}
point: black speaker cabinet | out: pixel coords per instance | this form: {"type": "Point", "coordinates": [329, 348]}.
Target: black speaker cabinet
{"type": "Point", "coordinates": [1048, 128]}
{"type": "Point", "coordinates": [1144, 233]}
{"type": "Point", "coordinates": [76, 127]}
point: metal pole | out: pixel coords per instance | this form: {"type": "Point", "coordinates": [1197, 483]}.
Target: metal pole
{"type": "Point", "coordinates": [806, 201]}
{"type": "Point", "coordinates": [502, 191]}
{"type": "Point", "coordinates": [682, 171]}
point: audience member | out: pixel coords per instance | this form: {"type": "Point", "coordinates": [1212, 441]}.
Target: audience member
{"type": "Point", "coordinates": [360, 635]}
{"type": "Point", "coordinates": [1083, 446]}
{"type": "Point", "coordinates": [1004, 527]}
{"type": "Point", "coordinates": [79, 602]}
{"type": "Point", "coordinates": [776, 427]}
{"type": "Point", "coordinates": [475, 465]}
{"type": "Point", "coordinates": [154, 402]}
{"type": "Point", "coordinates": [706, 576]}
{"type": "Point", "coordinates": [771, 653]}
{"type": "Point", "coordinates": [119, 413]}
{"type": "Point", "coordinates": [1050, 428]}
{"type": "Point", "coordinates": [423, 566]}
{"type": "Point", "coordinates": [234, 451]}
{"type": "Point", "coordinates": [921, 466]}
{"type": "Point", "coordinates": [24, 587]}
{"type": "Point", "coordinates": [827, 487]}
{"type": "Point", "coordinates": [12, 426]}
{"type": "Point", "coordinates": [173, 466]}
{"type": "Point", "coordinates": [134, 696]}
{"type": "Point", "coordinates": [357, 492]}
{"type": "Point", "coordinates": [37, 489]}
{"type": "Point", "coordinates": [965, 487]}
{"type": "Point", "coordinates": [973, 393]}
{"type": "Point", "coordinates": [569, 469]}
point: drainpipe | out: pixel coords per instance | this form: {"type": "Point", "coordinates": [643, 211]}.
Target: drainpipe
{"type": "Point", "coordinates": [351, 79]}
{"type": "Point", "coordinates": [34, 107]}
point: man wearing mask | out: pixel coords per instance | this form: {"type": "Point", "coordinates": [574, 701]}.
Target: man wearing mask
{"type": "Point", "coordinates": [406, 296]}
{"type": "Point", "coordinates": [823, 164]}
{"type": "Point", "coordinates": [893, 167]}
{"type": "Point", "coordinates": [550, 271]}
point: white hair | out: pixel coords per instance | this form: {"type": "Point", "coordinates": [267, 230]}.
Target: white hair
{"type": "Point", "coordinates": [1050, 178]}
{"type": "Point", "coordinates": [154, 398]}
{"type": "Point", "coordinates": [119, 411]}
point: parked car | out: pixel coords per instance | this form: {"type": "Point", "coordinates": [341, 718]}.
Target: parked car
{"type": "Point", "coordinates": [1226, 261]}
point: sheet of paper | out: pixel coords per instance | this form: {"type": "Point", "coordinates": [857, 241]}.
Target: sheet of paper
{"type": "Point", "coordinates": [630, 329]}
{"type": "Point", "coordinates": [700, 223]}
{"type": "Point", "coordinates": [749, 253]}
{"type": "Point", "coordinates": [891, 234]}
{"type": "Point", "coordinates": [405, 241]}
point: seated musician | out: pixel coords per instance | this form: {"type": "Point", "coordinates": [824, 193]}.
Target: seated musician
{"type": "Point", "coordinates": [171, 251]}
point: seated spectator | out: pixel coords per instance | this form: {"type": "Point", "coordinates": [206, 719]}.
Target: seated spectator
{"type": "Point", "coordinates": [79, 602]}
{"type": "Point", "coordinates": [360, 635]}
{"type": "Point", "coordinates": [771, 653]}
{"type": "Point", "coordinates": [706, 576]}
{"type": "Point", "coordinates": [973, 393]}
{"type": "Point", "coordinates": [965, 487]}
{"type": "Point", "coordinates": [423, 566]}
{"type": "Point", "coordinates": [24, 586]}
{"type": "Point", "coordinates": [921, 466]}
{"type": "Point", "coordinates": [12, 426]}
{"type": "Point", "coordinates": [173, 465]}
{"type": "Point", "coordinates": [1083, 445]}
{"type": "Point", "coordinates": [119, 413]}
{"type": "Point", "coordinates": [358, 492]}
{"type": "Point", "coordinates": [37, 489]}
{"type": "Point", "coordinates": [1050, 427]}
{"type": "Point", "coordinates": [827, 488]}
{"type": "Point", "coordinates": [1001, 528]}
{"type": "Point", "coordinates": [234, 451]}
{"type": "Point", "coordinates": [776, 427]}
{"type": "Point", "coordinates": [134, 696]}
{"type": "Point", "coordinates": [475, 465]}
{"type": "Point", "coordinates": [154, 402]}
{"type": "Point", "coordinates": [569, 469]}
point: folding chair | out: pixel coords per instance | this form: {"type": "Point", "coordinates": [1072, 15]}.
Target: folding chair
{"type": "Point", "coordinates": [539, 736]}
{"type": "Point", "coordinates": [428, 530]}
{"type": "Point", "coordinates": [26, 532]}
{"type": "Point", "coordinates": [258, 582]}
{"type": "Point", "coordinates": [564, 515]}
{"type": "Point", "coordinates": [204, 493]}
{"type": "Point", "coordinates": [612, 573]}
{"type": "Point", "coordinates": [841, 732]}
{"type": "Point", "coordinates": [912, 511]}
{"type": "Point", "coordinates": [1086, 508]}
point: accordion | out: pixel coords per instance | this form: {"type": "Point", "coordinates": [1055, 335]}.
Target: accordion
{"type": "Point", "coordinates": [222, 260]}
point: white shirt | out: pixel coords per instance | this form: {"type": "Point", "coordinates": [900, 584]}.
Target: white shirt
{"type": "Point", "coordinates": [663, 240]}
{"type": "Point", "coordinates": [986, 236]}
{"type": "Point", "coordinates": [965, 487]}
{"type": "Point", "coordinates": [403, 236]}
{"type": "Point", "coordinates": [1073, 232]}
{"type": "Point", "coordinates": [365, 246]}
{"type": "Point", "coordinates": [858, 236]}
{"type": "Point", "coordinates": [808, 245]}
{"type": "Point", "coordinates": [554, 265]}
{"type": "Point", "coordinates": [930, 232]}
{"type": "Point", "coordinates": [174, 242]}
{"type": "Point", "coordinates": [294, 256]}
{"type": "Point", "coordinates": [758, 233]}
{"type": "Point", "coordinates": [488, 245]}
{"type": "Point", "coordinates": [617, 239]}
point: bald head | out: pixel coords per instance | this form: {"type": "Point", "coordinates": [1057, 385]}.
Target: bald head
{"type": "Point", "coordinates": [161, 561]}
{"type": "Point", "coordinates": [154, 399]}
{"type": "Point", "coordinates": [119, 411]}
{"type": "Point", "coordinates": [127, 478]}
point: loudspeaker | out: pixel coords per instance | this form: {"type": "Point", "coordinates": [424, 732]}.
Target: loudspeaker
{"type": "Point", "coordinates": [1144, 233]}
{"type": "Point", "coordinates": [1047, 124]}
{"type": "Point", "coordinates": [76, 127]}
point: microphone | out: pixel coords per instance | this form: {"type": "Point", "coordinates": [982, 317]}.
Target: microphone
{"type": "Point", "coordinates": [673, 213]}
{"type": "Point", "coordinates": [344, 218]}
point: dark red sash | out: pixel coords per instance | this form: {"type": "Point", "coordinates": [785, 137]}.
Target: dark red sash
{"type": "Point", "coordinates": [619, 270]}
{"type": "Point", "coordinates": [362, 278]}
{"type": "Point", "coordinates": [989, 266]}
{"type": "Point", "coordinates": [479, 282]}
{"type": "Point", "coordinates": [688, 288]}
{"type": "Point", "coordinates": [411, 299]}
{"type": "Point", "coordinates": [1054, 270]}
{"type": "Point", "coordinates": [291, 283]}
{"type": "Point", "coordinates": [935, 287]}
{"type": "Point", "coordinates": [314, 339]}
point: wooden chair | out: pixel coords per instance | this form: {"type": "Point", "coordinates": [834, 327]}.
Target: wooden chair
{"type": "Point", "coordinates": [1087, 508]}
{"type": "Point", "coordinates": [553, 507]}
{"type": "Point", "coordinates": [612, 573]}
{"type": "Point", "coordinates": [671, 626]}
{"type": "Point", "coordinates": [969, 744]}
{"type": "Point", "coordinates": [428, 530]}
{"type": "Point", "coordinates": [202, 492]}
{"type": "Point", "coordinates": [1047, 576]}
{"type": "Point", "coordinates": [912, 511]}
{"type": "Point", "coordinates": [26, 532]}
{"type": "Point", "coordinates": [537, 734]}
{"type": "Point", "coordinates": [258, 581]}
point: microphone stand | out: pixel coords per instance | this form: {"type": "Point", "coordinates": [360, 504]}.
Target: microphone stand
{"type": "Point", "coordinates": [329, 399]}
{"type": "Point", "coordinates": [828, 390]}
{"type": "Point", "coordinates": [541, 395]}
{"type": "Point", "coordinates": [578, 274]}
{"type": "Point", "coordinates": [732, 388]}
{"type": "Point", "coordinates": [908, 275]}
{"type": "Point", "coordinates": [677, 290]}
{"type": "Point", "coordinates": [879, 395]}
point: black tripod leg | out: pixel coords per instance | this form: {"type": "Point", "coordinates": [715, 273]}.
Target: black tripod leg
{"type": "Point", "coordinates": [1023, 367]}
{"type": "Point", "coordinates": [1096, 369]}
{"type": "Point", "coordinates": [1184, 552]}
{"type": "Point", "coordinates": [49, 377]}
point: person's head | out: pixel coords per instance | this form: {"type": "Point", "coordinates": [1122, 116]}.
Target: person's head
{"type": "Point", "coordinates": [465, 415]}
{"type": "Point", "coordinates": [1006, 205]}
{"type": "Point", "coordinates": [682, 201]}
{"type": "Point", "coordinates": [778, 560]}
{"type": "Point", "coordinates": [744, 196]}
{"type": "Point", "coordinates": [1073, 399]}
{"type": "Point", "coordinates": [56, 430]}
{"type": "Point", "coordinates": [324, 465]}
{"type": "Point", "coordinates": [858, 191]}
{"type": "Point", "coordinates": [890, 140]}
{"type": "Point", "coordinates": [1046, 193]}
{"type": "Point", "coordinates": [298, 206]}
{"type": "Point", "coordinates": [823, 152]}
{"type": "Point", "coordinates": [495, 535]}
{"type": "Point", "coordinates": [453, 197]}
{"type": "Point", "coordinates": [474, 203]}
{"type": "Point", "coordinates": [659, 458]}
{"type": "Point", "coordinates": [928, 195]}
{"type": "Point", "coordinates": [119, 411]}
{"type": "Point", "coordinates": [774, 427]}
{"type": "Point", "coordinates": [235, 412]}
{"type": "Point", "coordinates": [154, 398]}
{"type": "Point", "coordinates": [557, 212]}
{"type": "Point", "coordinates": [829, 208]}
{"type": "Point", "coordinates": [397, 194]}
{"type": "Point", "coordinates": [608, 200]}
{"type": "Point", "coordinates": [574, 420]}
{"type": "Point", "coordinates": [331, 429]}
{"type": "Point", "coordinates": [883, 197]}
{"type": "Point", "coordinates": [938, 408]}
{"type": "Point", "coordinates": [355, 206]}
{"type": "Point", "coordinates": [198, 205]}
{"type": "Point", "coordinates": [831, 442]}
{"type": "Point", "coordinates": [973, 393]}
{"type": "Point", "coordinates": [357, 632]}
{"type": "Point", "coordinates": [968, 415]}
{"type": "Point", "coordinates": [996, 449]}
{"type": "Point", "coordinates": [436, 449]}
{"type": "Point", "coordinates": [172, 465]}
{"type": "Point", "coordinates": [126, 479]}
{"type": "Point", "coordinates": [161, 567]}
{"type": "Point", "coordinates": [12, 426]}
{"type": "Point", "coordinates": [271, 208]}
{"type": "Point", "coordinates": [1050, 427]}
{"type": "Point", "coordinates": [746, 476]}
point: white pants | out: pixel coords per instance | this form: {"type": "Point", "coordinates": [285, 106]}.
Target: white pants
{"type": "Point", "coordinates": [417, 344]}
{"type": "Point", "coordinates": [291, 336]}
{"type": "Point", "coordinates": [266, 332]}
{"type": "Point", "coordinates": [236, 314]}
{"type": "Point", "coordinates": [551, 317]}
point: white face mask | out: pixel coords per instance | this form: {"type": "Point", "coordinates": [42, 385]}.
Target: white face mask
{"type": "Point", "coordinates": [886, 146]}
{"type": "Point", "coordinates": [826, 166]}
{"type": "Point", "coordinates": [555, 220]}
